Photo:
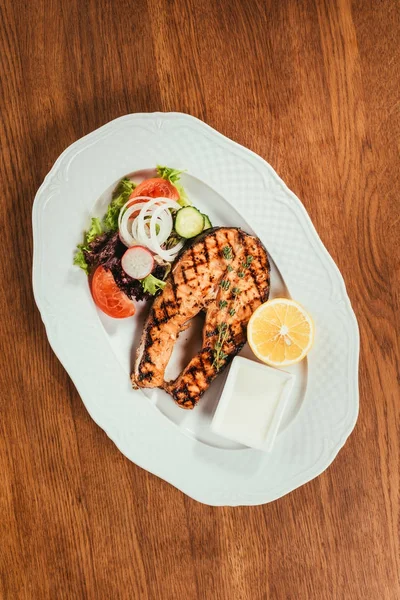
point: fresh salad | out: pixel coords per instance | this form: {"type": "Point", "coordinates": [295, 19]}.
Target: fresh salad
{"type": "Point", "coordinates": [129, 252]}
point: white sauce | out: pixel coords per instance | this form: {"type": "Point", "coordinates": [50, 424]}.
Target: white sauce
{"type": "Point", "coordinates": [252, 404]}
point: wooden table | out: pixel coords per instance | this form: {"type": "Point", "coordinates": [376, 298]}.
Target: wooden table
{"type": "Point", "coordinates": [313, 87]}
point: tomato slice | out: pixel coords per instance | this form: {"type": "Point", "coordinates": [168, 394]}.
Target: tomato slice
{"type": "Point", "coordinates": [108, 297]}
{"type": "Point", "coordinates": [156, 187]}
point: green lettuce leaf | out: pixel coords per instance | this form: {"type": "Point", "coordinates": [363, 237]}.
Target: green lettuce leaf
{"type": "Point", "coordinates": [171, 175]}
{"type": "Point", "coordinates": [120, 197]}
{"type": "Point", "coordinates": [95, 230]}
{"type": "Point", "coordinates": [183, 197]}
{"type": "Point", "coordinates": [151, 284]}
{"type": "Point", "coordinates": [79, 259]}
{"type": "Point", "coordinates": [108, 223]}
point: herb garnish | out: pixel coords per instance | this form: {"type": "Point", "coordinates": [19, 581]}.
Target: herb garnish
{"type": "Point", "coordinates": [223, 329]}
{"type": "Point", "coordinates": [225, 284]}
{"type": "Point", "coordinates": [219, 355]}
{"type": "Point", "coordinates": [245, 265]}
{"type": "Point", "coordinates": [227, 252]}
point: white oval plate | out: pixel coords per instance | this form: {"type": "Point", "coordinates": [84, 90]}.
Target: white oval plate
{"type": "Point", "coordinates": [96, 351]}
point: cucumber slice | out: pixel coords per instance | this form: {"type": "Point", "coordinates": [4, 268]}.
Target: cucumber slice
{"type": "Point", "coordinates": [189, 222]}
{"type": "Point", "coordinates": [207, 222]}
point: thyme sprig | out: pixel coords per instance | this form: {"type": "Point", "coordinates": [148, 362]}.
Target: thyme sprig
{"type": "Point", "coordinates": [223, 328]}
{"type": "Point", "coordinates": [225, 284]}
{"type": "Point", "coordinates": [219, 354]}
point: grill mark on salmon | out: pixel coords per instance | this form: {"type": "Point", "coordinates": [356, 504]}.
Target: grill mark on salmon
{"type": "Point", "coordinates": [193, 286]}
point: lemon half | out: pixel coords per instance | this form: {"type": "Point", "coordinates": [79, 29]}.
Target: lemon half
{"type": "Point", "coordinates": [280, 332]}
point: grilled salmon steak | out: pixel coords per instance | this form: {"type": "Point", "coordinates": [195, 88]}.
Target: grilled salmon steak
{"type": "Point", "coordinates": [224, 272]}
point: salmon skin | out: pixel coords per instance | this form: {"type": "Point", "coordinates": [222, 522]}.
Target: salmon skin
{"type": "Point", "coordinates": [224, 272]}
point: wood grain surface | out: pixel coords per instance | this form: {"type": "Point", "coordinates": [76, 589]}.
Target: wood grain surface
{"type": "Point", "coordinates": [313, 87]}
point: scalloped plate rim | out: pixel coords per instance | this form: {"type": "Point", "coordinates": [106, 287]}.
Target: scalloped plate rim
{"type": "Point", "coordinates": [316, 469]}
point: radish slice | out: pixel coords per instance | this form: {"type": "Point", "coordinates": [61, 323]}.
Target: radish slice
{"type": "Point", "coordinates": [137, 262]}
